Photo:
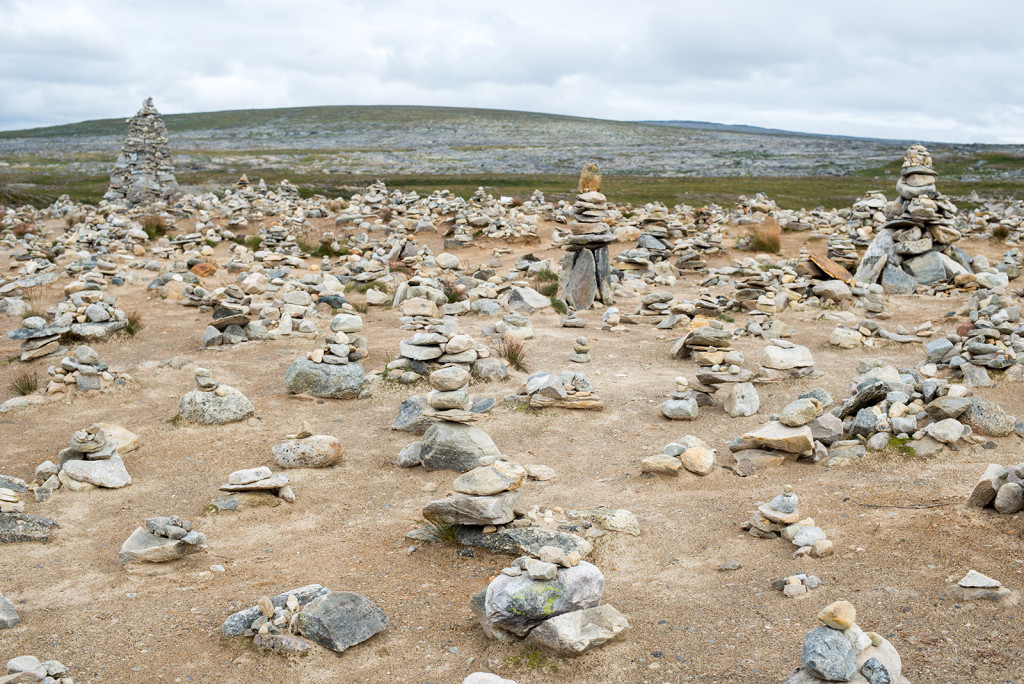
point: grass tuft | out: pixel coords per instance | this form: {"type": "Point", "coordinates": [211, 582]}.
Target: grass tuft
{"type": "Point", "coordinates": [557, 304]}
{"type": "Point", "coordinates": [450, 292]}
{"type": "Point", "coordinates": [155, 226]}
{"type": "Point", "coordinates": [1000, 232]}
{"type": "Point", "coordinates": [25, 384]}
{"type": "Point", "coordinates": [135, 324]}
{"type": "Point", "coordinates": [441, 530]}
{"type": "Point", "coordinates": [766, 236]}
{"type": "Point", "coordinates": [514, 353]}
{"type": "Point", "coordinates": [531, 659]}
{"type": "Point", "coordinates": [546, 275]}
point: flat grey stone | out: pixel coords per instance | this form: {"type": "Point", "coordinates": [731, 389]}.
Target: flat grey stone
{"type": "Point", "coordinates": [340, 620]}
{"type": "Point", "coordinates": [325, 380]}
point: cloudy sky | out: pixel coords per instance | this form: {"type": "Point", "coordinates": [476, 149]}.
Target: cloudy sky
{"type": "Point", "coordinates": [941, 71]}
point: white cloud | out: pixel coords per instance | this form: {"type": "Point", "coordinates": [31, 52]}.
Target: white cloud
{"type": "Point", "coordinates": [953, 73]}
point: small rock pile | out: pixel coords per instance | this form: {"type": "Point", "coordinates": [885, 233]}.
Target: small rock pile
{"type": "Point", "coordinates": [249, 485]}
{"type": "Point", "coordinates": [332, 370]}
{"type": "Point", "coordinates": [569, 389]}
{"type": "Point", "coordinates": [711, 338]}
{"type": "Point", "coordinates": [213, 403]}
{"type": "Point", "coordinates": [160, 540]}
{"type": "Point", "coordinates": [440, 344]}
{"type": "Point", "coordinates": [580, 351]}
{"type": "Point", "coordinates": [978, 587]}
{"type": "Point", "coordinates": [10, 502]}
{"type": "Point", "coordinates": [991, 340]}
{"type": "Point", "coordinates": [797, 586]}
{"type": "Point", "coordinates": [689, 452]}
{"type": "Point", "coordinates": [292, 622]}
{"type": "Point", "coordinates": [91, 460]}
{"type": "Point", "coordinates": [554, 600]}
{"type": "Point", "coordinates": [29, 669]}
{"type": "Point", "coordinates": [780, 517]}
{"type": "Point", "coordinates": [143, 173]}
{"type": "Point", "coordinates": [915, 247]}
{"type": "Point", "coordinates": [485, 496]}
{"type": "Point", "coordinates": [783, 359]}
{"type": "Point", "coordinates": [84, 370]}
{"type": "Point", "coordinates": [1001, 488]}
{"type": "Point", "coordinates": [840, 651]}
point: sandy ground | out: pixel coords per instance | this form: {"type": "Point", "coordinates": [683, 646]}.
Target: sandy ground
{"type": "Point", "coordinates": [345, 530]}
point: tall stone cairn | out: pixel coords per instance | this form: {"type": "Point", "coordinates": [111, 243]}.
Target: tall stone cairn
{"type": "Point", "coordinates": [915, 245]}
{"type": "Point", "coordinates": [586, 269]}
{"type": "Point", "coordinates": [143, 173]}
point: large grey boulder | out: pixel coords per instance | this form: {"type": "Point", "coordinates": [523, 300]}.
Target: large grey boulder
{"type": "Point", "coordinates": [456, 446]}
{"type": "Point", "coordinates": [145, 547]}
{"type": "Point", "coordinates": [341, 619]}
{"type": "Point", "coordinates": [343, 381]}
{"type": "Point", "coordinates": [987, 418]}
{"type": "Point", "coordinates": [581, 630]}
{"type": "Point", "coordinates": [518, 604]}
{"type": "Point", "coordinates": [208, 408]}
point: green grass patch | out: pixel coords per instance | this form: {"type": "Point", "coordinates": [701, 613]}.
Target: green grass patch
{"type": "Point", "coordinates": [558, 305]}
{"type": "Point", "coordinates": [514, 353]}
{"type": "Point", "coordinates": [531, 659]}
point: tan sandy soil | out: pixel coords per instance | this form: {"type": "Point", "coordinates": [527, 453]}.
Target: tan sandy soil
{"type": "Point", "coordinates": [345, 530]}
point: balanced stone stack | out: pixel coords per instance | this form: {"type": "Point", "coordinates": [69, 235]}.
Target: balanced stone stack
{"type": "Point", "coordinates": [840, 651]}
{"type": "Point", "coordinates": [580, 351]}
{"type": "Point", "coordinates": [554, 601]}
{"type": "Point", "coordinates": [690, 452]}
{"type": "Point", "coordinates": [143, 173]}
{"type": "Point", "coordinates": [450, 443]}
{"type": "Point", "coordinates": [991, 338]}
{"type": "Point", "coordinates": [249, 484]}
{"type": "Point", "coordinates": [585, 274]}
{"type": "Point", "coordinates": [682, 404]}
{"type": "Point", "coordinates": [569, 389]}
{"type": "Point", "coordinates": [915, 247]}
{"type": "Point", "coordinates": [212, 403]}
{"type": "Point", "coordinates": [91, 460]}
{"type": "Point", "coordinates": [332, 370]}
{"type": "Point", "coordinates": [444, 344]}
{"type": "Point", "coordinates": [160, 540]}
{"type": "Point", "coordinates": [1001, 488]}
{"type": "Point", "coordinates": [781, 518]}
{"type": "Point", "coordinates": [782, 360]}
{"type": "Point", "coordinates": [293, 622]}
{"type": "Point", "coordinates": [711, 338]}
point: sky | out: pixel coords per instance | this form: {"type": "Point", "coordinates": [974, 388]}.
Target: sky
{"type": "Point", "coordinates": [937, 71]}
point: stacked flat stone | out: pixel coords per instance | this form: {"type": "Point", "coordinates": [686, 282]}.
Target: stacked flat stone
{"type": "Point", "coordinates": [554, 600]}
{"type": "Point", "coordinates": [83, 369]}
{"type": "Point", "coordinates": [160, 540]}
{"type": "Point", "coordinates": [993, 338]}
{"type": "Point", "coordinates": [91, 460]}
{"type": "Point", "coordinates": [712, 337]}
{"type": "Point", "coordinates": [840, 651]}
{"type": "Point", "coordinates": [656, 304]}
{"type": "Point", "coordinates": [691, 453]}
{"type": "Point", "coordinates": [1001, 488]}
{"type": "Point", "coordinates": [143, 173]}
{"type": "Point", "coordinates": [438, 344]}
{"type": "Point", "coordinates": [332, 370]}
{"type": "Point", "coordinates": [569, 389]}
{"type": "Point", "coordinates": [260, 481]}
{"type": "Point", "coordinates": [485, 496]}
{"type": "Point", "coordinates": [915, 247]}
{"type": "Point", "coordinates": [866, 214]}
{"type": "Point", "coordinates": [781, 518]}
{"type": "Point", "coordinates": [783, 359]}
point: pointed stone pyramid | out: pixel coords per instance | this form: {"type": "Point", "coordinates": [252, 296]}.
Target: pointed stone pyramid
{"type": "Point", "coordinates": [143, 173]}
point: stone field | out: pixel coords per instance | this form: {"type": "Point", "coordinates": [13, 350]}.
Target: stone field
{"type": "Point", "coordinates": [407, 438]}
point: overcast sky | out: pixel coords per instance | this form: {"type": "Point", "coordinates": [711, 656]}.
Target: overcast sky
{"type": "Point", "coordinates": [940, 71]}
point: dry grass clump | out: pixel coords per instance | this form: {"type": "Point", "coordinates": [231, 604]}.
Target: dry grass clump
{"type": "Point", "coordinates": [514, 353]}
{"type": "Point", "coordinates": [766, 236]}
{"type": "Point", "coordinates": [441, 530]}
{"type": "Point", "coordinates": [25, 384]}
{"type": "Point", "coordinates": [1000, 233]}
{"type": "Point", "coordinates": [134, 322]}
{"type": "Point", "coordinates": [155, 226]}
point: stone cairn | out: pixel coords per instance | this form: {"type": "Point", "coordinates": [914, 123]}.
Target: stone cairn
{"type": "Point", "coordinates": [91, 460]}
{"type": "Point", "coordinates": [83, 369]}
{"type": "Point", "coordinates": [213, 403]}
{"type": "Point", "coordinates": [450, 443]}
{"type": "Point", "coordinates": [143, 173]}
{"type": "Point", "coordinates": [249, 482]}
{"type": "Point", "coordinates": [780, 517]}
{"type": "Point", "coordinates": [569, 389]}
{"type": "Point", "coordinates": [553, 600]}
{"type": "Point", "coordinates": [332, 370]}
{"type": "Point", "coordinates": [292, 622]}
{"type": "Point", "coordinates": [1001, 488]}
{"type": "Point", "coordinates": [580, 351]}
{"type": "Point", "coordinates": [486, 496]}
{"type": "Point", "coordinates": [586, 269]}
{"type": "Point", "coordinates": [916, 245]}
{"type": "Point", "coordinates": [160, 540]}
{"type": "Point", "coordinates": [797, 586]}
{"type": "Point", "coordinates": [840, 651]}
{"type": "Point", "coordinates": [690, 452]}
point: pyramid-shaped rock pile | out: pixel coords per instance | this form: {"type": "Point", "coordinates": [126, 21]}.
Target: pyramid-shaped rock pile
{"type": "Point", "coordinates": [143, 173]}
{"type": "Point", "coordinates": [91, 460]}
{"type": "Point", "coordinates": [585, 274]}
{"type": "Point", "coordinates": [780, 517]}
{"type": "Point", "coordinates": [161, 539]}
{"type": "Point", "coordinates": [915, 247]}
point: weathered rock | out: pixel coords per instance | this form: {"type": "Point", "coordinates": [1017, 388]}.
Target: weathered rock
{"type": "Point", "coordinates": [8, 616]}
{"type": "Point", "coordinates": [109, 473]}
{"type": "Point", "coordinates": [463, 509]}
{"type": "Point", "coordinates": [340, 620]}
{"type": "Point", "coordinates": [775, 435]}
{"type": "Point", "coordinates": [785, 358]}
{"type": "Point", "coordinates": [518, 604]}
{"type": "Point", "coordinates": [488, 480]}
{"type": "Point", "coordinates": [987, 418]}
{"type": "Point", "coordinates": [984, 492]}
{"type": "Point", "coordinates": [680, 409]}
{"type": "Point", "coordinates": [411, 417]}
{"type": "Point", "coordinates": [698, 460]}
{"type": "Point", "coordinates": [455, 446]}
{"type": "Point", "coordinates": [743, 400]}
{"type": "Point", "coordinates": [330, 381]}
{"type": "Point", "coordinates": [581, 630]}
{"type": "Point", "coordinates": [524, 540]}
{"type": "Point", "coordinates": [21, 527]}
{"type": "Point", "coordinates": [209, 408]}
{"type": "Point", "coordinates": [315, 451]}
{"type": "Point", "coordinates": [829, 655]}
{"type": "Point", "coordinates": [1010, 498]}
{"type": "Point", "coordinates": [144, 547]}
{"type": "Point", "coordinates": [799, 412]}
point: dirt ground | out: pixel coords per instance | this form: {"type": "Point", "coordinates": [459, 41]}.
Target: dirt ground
{"type": "Point", "coordinates": [346, 529]}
